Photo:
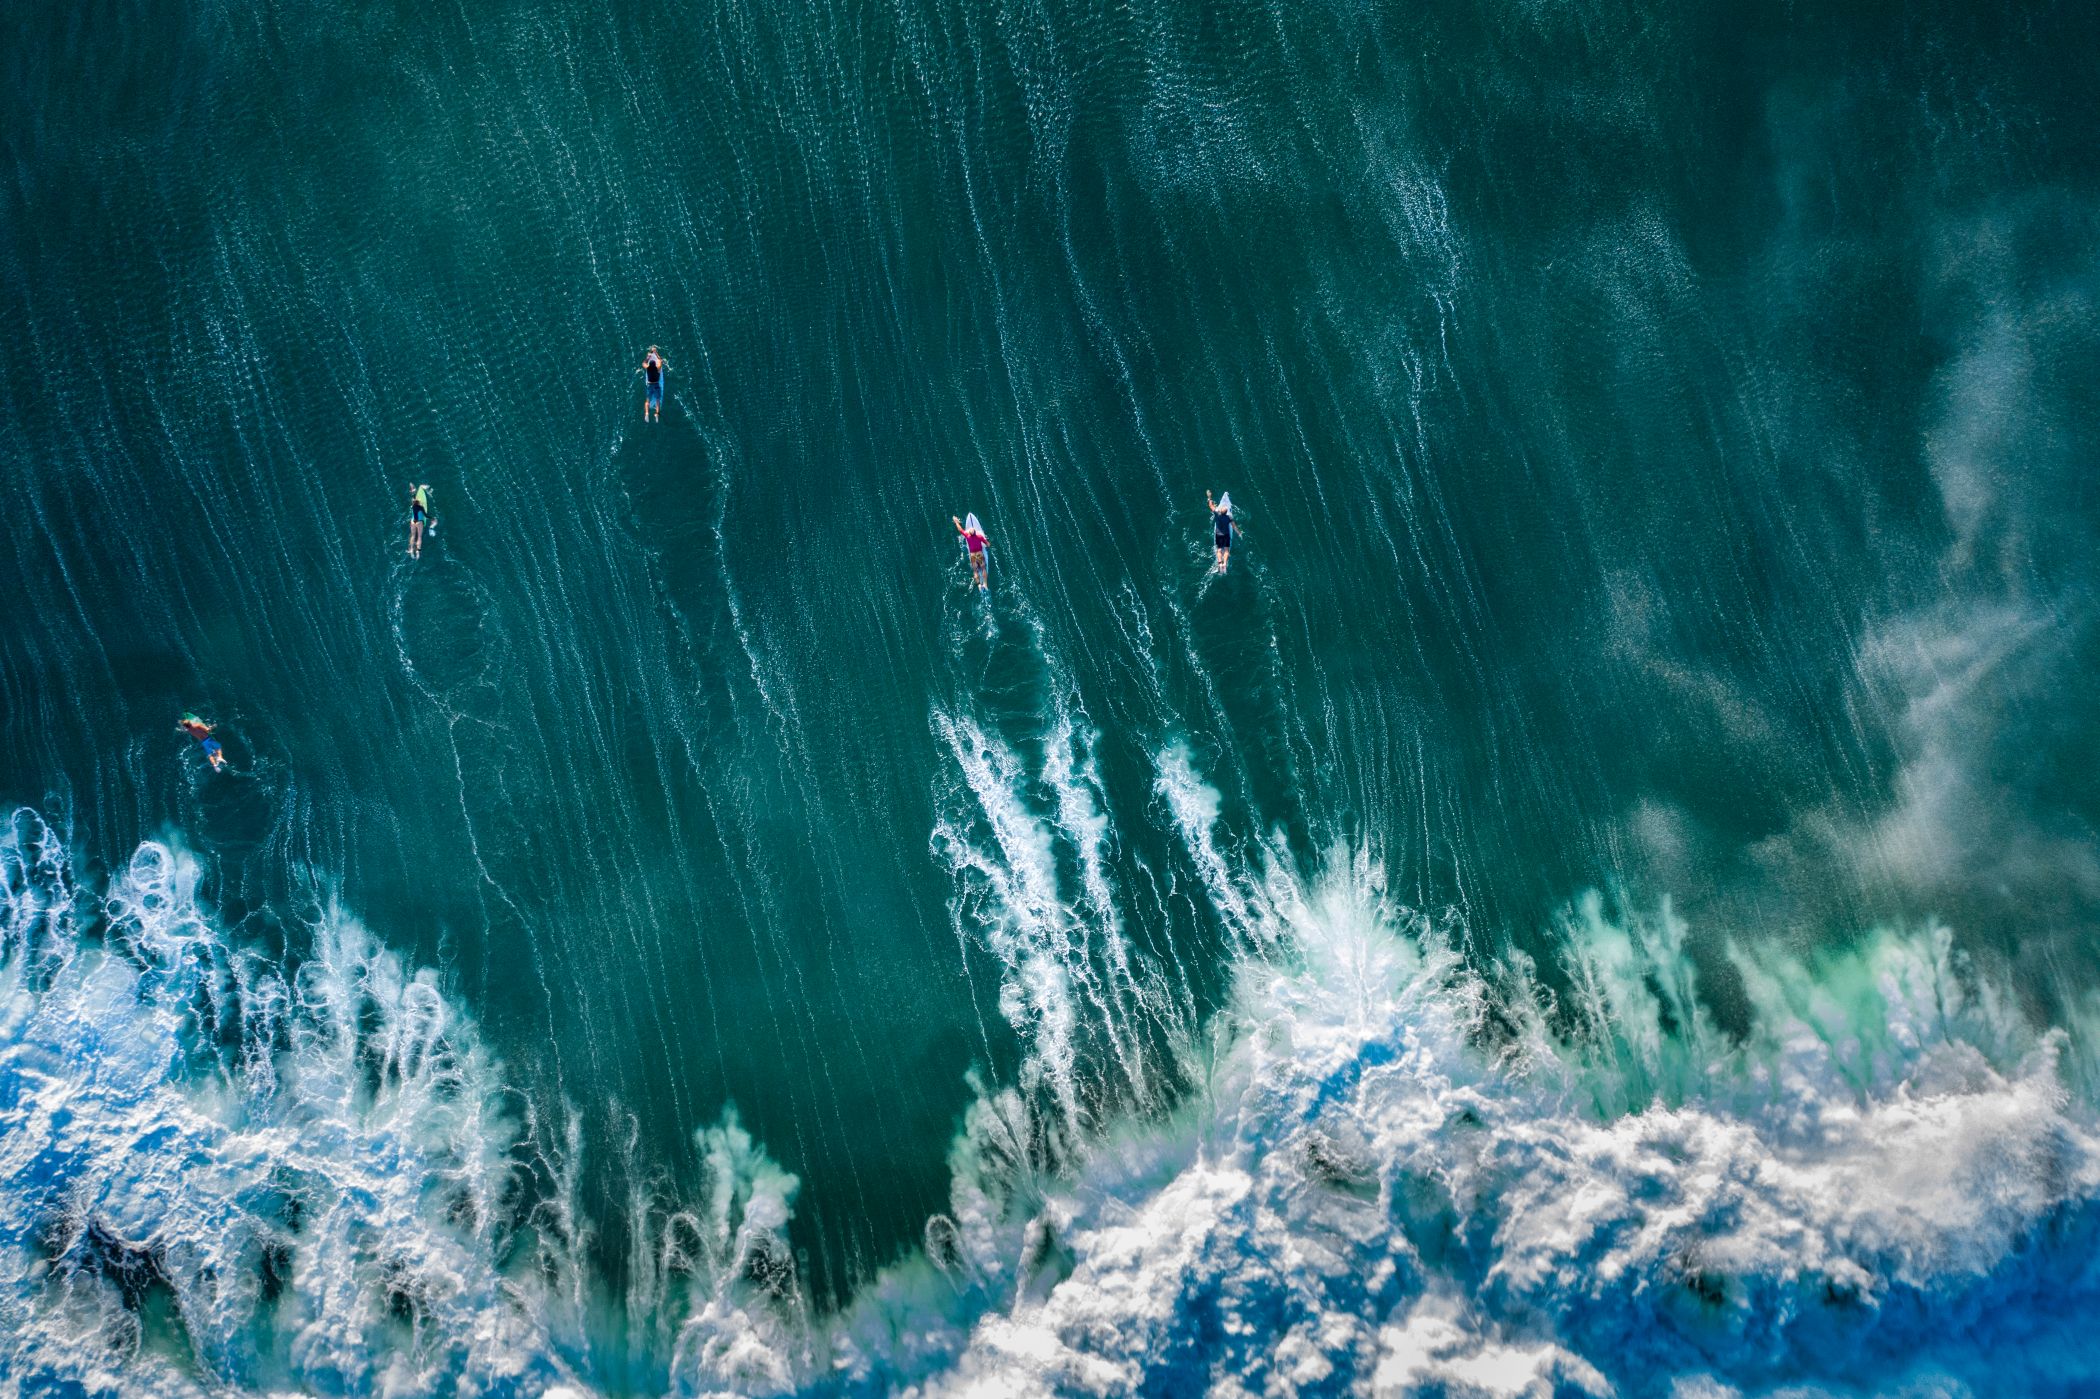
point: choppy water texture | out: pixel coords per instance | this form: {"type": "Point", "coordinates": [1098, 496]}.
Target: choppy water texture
{"type": "Point", "coordinates": [1599, 899]}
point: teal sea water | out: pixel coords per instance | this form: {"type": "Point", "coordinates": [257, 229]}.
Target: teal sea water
{"type": "Point", "coordinates": [1600, 896]}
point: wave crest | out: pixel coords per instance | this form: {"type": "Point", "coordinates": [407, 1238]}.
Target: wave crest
{"type": "Point", "coordinates": [1392, 1173]}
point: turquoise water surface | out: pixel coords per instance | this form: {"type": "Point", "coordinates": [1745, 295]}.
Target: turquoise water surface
{"type": "Point", "coordinates": [1598, 898]}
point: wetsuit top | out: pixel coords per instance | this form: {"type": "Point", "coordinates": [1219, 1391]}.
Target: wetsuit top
{"type": "Point", "coordinates": [654, 368]}
{"type": "Point", "coordinates": [1221, 525]}
{"type": "Point", "coordinates": [419, 504]}
{"type": "Point", "coordinates": [974, 540]}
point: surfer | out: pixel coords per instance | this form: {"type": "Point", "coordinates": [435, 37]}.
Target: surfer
{"type": "Point", "coordinates": [1221, 527]}
{"type": "Point", "coordinates": [196, 728]}
{"type": "Point", "coordinates": [652, 372]}
{"type": "Point", "coordinates": [418, 519]}
{"type": "Point", "coordinates": [973, 539]}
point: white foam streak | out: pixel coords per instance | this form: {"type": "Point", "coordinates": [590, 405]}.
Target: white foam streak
{"type": "Point", "coordinates": [1069, 975]}
{"type": "Point", "coordinates": [1194, 806]}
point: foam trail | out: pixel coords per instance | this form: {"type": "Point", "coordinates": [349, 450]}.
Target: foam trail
{"type": "Point", "coordinates": [1073, 774]}
{"type": "Point", "coordinates": [1025, 927]}
{"type": "Point", "coordinates": [1069, 972]}
{"type": "Point", "coordinates": [1194, 805]}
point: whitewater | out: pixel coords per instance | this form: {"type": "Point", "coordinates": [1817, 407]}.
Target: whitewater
{"type": "Point", "coordinates": [1599, 898]}
{"type": "Point", "coordinates": [1390, 1173]}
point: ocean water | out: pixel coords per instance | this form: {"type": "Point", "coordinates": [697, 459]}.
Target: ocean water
{"type": "Point", "coordinates": [1600, 898]}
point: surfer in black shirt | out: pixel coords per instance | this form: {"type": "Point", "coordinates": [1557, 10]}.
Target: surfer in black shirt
{"type": "Point", "coordinates": [652, 371]}
{"type": "Point", "coordinates": [418, 519]}
{"type": "Point", "coordinates": [1221, 527]}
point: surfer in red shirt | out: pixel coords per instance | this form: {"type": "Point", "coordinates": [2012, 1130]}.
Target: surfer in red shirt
{"type": "Point", "coordinates": [973, 539]}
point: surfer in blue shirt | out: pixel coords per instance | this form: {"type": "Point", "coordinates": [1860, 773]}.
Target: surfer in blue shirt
{"type": "Point", "coordinates": [1221, 527]}
{"type": "Point", "coordinates": [652, 372]}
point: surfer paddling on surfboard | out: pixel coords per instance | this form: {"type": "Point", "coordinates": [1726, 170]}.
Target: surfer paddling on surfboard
{"type": "Point", "coordinates": [418, 519]}
{"type": "Point", "coordinates": [1221, 527]}
{"type": "Point", "coordinates": [652, 372]}
{"type": "Point", "coordinates": [973, 540]}
{"type": "Point", "coordinates": [196, 728]}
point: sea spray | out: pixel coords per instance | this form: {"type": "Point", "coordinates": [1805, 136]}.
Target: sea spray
{"type": "Point", "coordinates": [1391, 1171]}
{"type": "Point", "coordinates": [1088, 1008]}
{"type": "Point", "coordinates": [217, 1177]}
{"type": "Point", "coordinates": [749, 1331]}
{"type": "Point", "coordinates": [1368, 1195]}
{"type": "Point", "coordinates": [1399, 1173]}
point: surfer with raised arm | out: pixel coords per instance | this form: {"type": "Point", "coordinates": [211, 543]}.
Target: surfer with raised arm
{"type": "Point", "coordinates": [418, 518]}
{"type": "Point", "coordinates": [652, 372]}
{"type": "Point", "coordinates": [1221, 527]}
{"type": "Point", "coordinates": [973, 540]}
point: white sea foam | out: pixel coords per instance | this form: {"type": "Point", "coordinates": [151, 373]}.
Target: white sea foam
{"type": "Point", "coordinates": [218, 1177]}
{"type": "Point", "coordinates": [1363, 1201]}
{"type": "Point", "coordinates": [1399, 1176]}
{"type": "Point", "coordinates": [1392, 1174]}
{"type": "Point", "coordinates": [1070, 977]}
{"type": "Point", "coordinates": [748, 1331]}
{"type": "Point", "coordinates": [1194, 806]}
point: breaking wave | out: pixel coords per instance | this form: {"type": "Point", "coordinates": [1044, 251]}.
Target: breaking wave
{"type": "Point", "coordinates": [1380, 1168]}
